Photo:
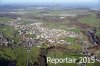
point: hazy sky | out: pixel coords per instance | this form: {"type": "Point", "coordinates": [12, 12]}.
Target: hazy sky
{"type": "Point", "coordinates": [49, 1]}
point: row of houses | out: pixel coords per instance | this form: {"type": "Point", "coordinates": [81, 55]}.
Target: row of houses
{"type": "Point", "coordinates": [3, 40]}
{"type": "Point", "coordinates": [41, 32]}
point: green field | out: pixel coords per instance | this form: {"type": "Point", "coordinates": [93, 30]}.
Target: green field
{"type": "Point", "coordinates": [5, 19]}
{"type": "Point", "coordinates": [91, 20]}
{"type": "Point", "coordinates": [60, 54]}
{"type": "Point", "coordinates": [9, 54]}
{"type": "Point", "coordinates": [8, 31]}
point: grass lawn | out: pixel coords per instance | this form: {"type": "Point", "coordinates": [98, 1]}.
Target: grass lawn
{"type": "Point", "coordinates": [98, 33]}
{"type": "Point", "coordinates": [76, 30]}
{"type": "Point", "coordinates": [8, 31]}
{"type": "Point", "coordinates": [91, 20]}
{"type": "Point", "coordinates": [7, 53]}
{"type": "Point", "coordinates": [5, 19]}
{"type": "Point", "coordinates": [22, 55]}
{"type": "Point", "coordinates": [34, 53]}
{"type": "Point", "coordinates": [59, 54]}
{"type": "Point", "coordinates": [70, 39]}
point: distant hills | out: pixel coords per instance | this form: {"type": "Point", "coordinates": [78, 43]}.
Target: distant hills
{"type": "Point", "coordinates": [58, 5]}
